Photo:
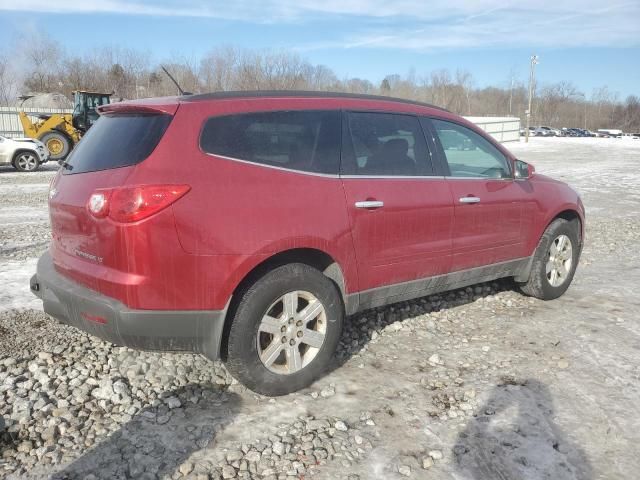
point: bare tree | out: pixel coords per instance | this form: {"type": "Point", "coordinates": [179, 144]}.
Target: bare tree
{"type": "Point", "coordinates": [464, 81]}
{"type": "Point", "coordinates": [8, 82]}
{"type": "Point", "coordinates": [553, 98]}
{"type": "Point", "coordinates": [441, 88]}
{"type": "Point", "coordinates": [218, 69]}
{"type": "Point", "coordinates": [44, 60]}
{"type": "Point", "coordinates": [130, 74]}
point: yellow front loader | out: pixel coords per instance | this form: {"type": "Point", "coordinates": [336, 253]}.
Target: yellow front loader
{"type": "Point", "coordinates": [60, 132]}
{"type": "Point", "coordinates": [56, 131]}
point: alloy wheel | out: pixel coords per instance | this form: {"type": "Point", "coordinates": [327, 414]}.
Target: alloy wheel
{"type": "Point", "coordinates": [291, 332]}
{"type": "Point", "coordinates": [27, 162]}
{"type": "Point", "coordinates": [559, 260]}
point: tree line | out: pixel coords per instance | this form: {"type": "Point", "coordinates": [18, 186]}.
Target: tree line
{"type": "Point", "coordinates": [45, 67]}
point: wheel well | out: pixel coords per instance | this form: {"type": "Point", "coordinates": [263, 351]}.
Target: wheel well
{"type": "Point", "coordinates": [572, 217]}
{"type": "Point", "coordinates": [309, 256]}
{"type": "Point", "coordinates": [55, 130]}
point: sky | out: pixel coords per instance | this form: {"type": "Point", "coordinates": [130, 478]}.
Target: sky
{"type": "Point", "coordinates": [590, 43]}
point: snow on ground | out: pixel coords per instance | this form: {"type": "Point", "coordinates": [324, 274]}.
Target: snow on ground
{"type": "Point", "coordinates": [15, 292]}
{"type": "Point", "coordinates": [597, 168]}
{"type": "Point", "coordinates": [21, 215]}
{"type": "Point", "coordinates": [24, 233]}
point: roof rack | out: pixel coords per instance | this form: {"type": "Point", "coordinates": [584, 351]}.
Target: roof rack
{"type": "Point", "coordinates": [299, 93]}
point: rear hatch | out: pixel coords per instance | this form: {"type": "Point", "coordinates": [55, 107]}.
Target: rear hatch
{"type": "Point", "coordinates": [85, 247]}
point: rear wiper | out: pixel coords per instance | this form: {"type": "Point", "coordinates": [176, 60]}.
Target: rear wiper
{"type": "Point", "coordinates": [66, 166]}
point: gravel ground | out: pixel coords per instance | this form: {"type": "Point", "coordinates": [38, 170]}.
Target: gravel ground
{"type": "Point", "coordinates": [479, 383]}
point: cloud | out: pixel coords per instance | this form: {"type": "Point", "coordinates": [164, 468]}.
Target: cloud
{"type": "Point", "coordinates": [401, 24]}
{"type": "Point", "coordinates": [609, 26]}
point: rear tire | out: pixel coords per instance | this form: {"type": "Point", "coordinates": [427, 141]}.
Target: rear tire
{"type": "Point", "coordinates": [276, 316]}
{"type": "Point", "coordinates": [26, 161]}
{"type": "Point", "coordinates": [58, 144]}
{"type": "Point", "coordinates": [554, 261]}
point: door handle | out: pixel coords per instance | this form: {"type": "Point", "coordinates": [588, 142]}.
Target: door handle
{"type": "Point", "coordinates": [469, 200]}
{"type": "Point", "coordinates": [370, 204]}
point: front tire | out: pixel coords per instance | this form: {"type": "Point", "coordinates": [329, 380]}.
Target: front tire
{"type": "Point", "coordinates": [26, 162]}
{"type": "Point", "coordinates": [554, 261]}
{"type": "Point", "coordinates": [285, 330]}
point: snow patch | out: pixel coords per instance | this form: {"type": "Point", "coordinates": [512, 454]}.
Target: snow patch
{"type": "Point", "coordinates": [15, 292]}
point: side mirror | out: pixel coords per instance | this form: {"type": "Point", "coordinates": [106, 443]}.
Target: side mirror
{"type": "Point", "coordinates": [523, 170]}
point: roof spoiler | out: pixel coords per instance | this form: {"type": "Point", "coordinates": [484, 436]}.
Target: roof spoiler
{"type": "Point", "coordinates": [141, 109]}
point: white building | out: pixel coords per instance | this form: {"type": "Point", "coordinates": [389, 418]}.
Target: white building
{"type": "Point", "coordinates": [503, 129]}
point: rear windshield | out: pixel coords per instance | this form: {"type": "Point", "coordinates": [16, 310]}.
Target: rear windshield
{"type": "Point", "coordinates": [117, 141]}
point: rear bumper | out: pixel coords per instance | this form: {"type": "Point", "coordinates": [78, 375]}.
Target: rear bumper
{"type": "Point", "coordinates": [104, 317]}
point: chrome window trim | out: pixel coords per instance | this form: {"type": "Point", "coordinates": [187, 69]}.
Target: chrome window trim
{"type": "Point", "coordinates": [326, 175]}
{"type": "Point", "coordinates": [509, 179]}
{"type": "Point", "coordinates": [401, 177]}
{"type": "Point", "coordinates": [274, 167]}
{"type": "Point", "coordinates": [354, 177]}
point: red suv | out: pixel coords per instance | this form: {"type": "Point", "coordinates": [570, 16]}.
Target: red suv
{"type": "Point", "coordinates": [246, 226]}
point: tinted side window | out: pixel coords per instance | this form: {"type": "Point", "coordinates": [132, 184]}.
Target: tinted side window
{"type": "Point", "coordinates": [117, 141]}
{"type": "Point", "coordinates": [300, 140]}
{"type": "Point", "coordinates": [469, 154]}
{"type": "Point", "coordinates": [385, 144]}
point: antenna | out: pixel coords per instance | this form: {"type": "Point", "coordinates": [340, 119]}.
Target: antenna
{"type": "Point", "coordinates": [182, 92]}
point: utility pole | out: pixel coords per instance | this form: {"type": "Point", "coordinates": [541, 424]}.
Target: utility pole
{"type": "Point", "coordinates": [534, 62]}
{"type": "Point", "coordinates": [511, 93]}
{"type": "Point", "coordinates": [586, 104]}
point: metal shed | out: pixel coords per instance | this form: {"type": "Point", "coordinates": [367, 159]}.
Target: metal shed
{"type": "Point", "coordinates": [503, 129]}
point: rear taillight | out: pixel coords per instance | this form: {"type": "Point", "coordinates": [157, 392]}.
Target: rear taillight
{"type": "Point", "coordinates": [134, 203]}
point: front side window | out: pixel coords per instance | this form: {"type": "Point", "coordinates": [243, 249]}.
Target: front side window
{"type": "Point", "coordinates": [299, 140]}
{"type": "Point", "coordinates": [384, 144]}
{"type": "Point", "coordinates": [469, 154]}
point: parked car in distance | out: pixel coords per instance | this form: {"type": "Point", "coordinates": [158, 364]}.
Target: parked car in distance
{"type": "Point", "coordinates": [552, 132]}
{"type": "Point", "coordinates": [611, 132]}
{"type": "Point", "coordinates": [247, 226]}
{"type": "Point", "coordinates": [578, 132]}
{"type": "Point", "coordinates": [543, 132]}
{"type": "Point", "coordinates": [23, 154]}
{"type": "Point", "coordinates": [532, 131]}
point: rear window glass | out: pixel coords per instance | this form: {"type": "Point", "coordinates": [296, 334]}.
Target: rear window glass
{"type": "Point", "coordinates": [117, 141]}
{"type": "Point", "coordinates": [299, 140]}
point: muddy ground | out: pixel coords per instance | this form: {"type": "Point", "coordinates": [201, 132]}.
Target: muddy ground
{"type": "Point", "coordinates": [480, 383]}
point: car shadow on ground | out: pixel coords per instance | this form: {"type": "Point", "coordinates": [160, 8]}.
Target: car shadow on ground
{"type": "Point", "coordinates": [159, 439]}
{"type": "Point", "coordinates": [514, 436]}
